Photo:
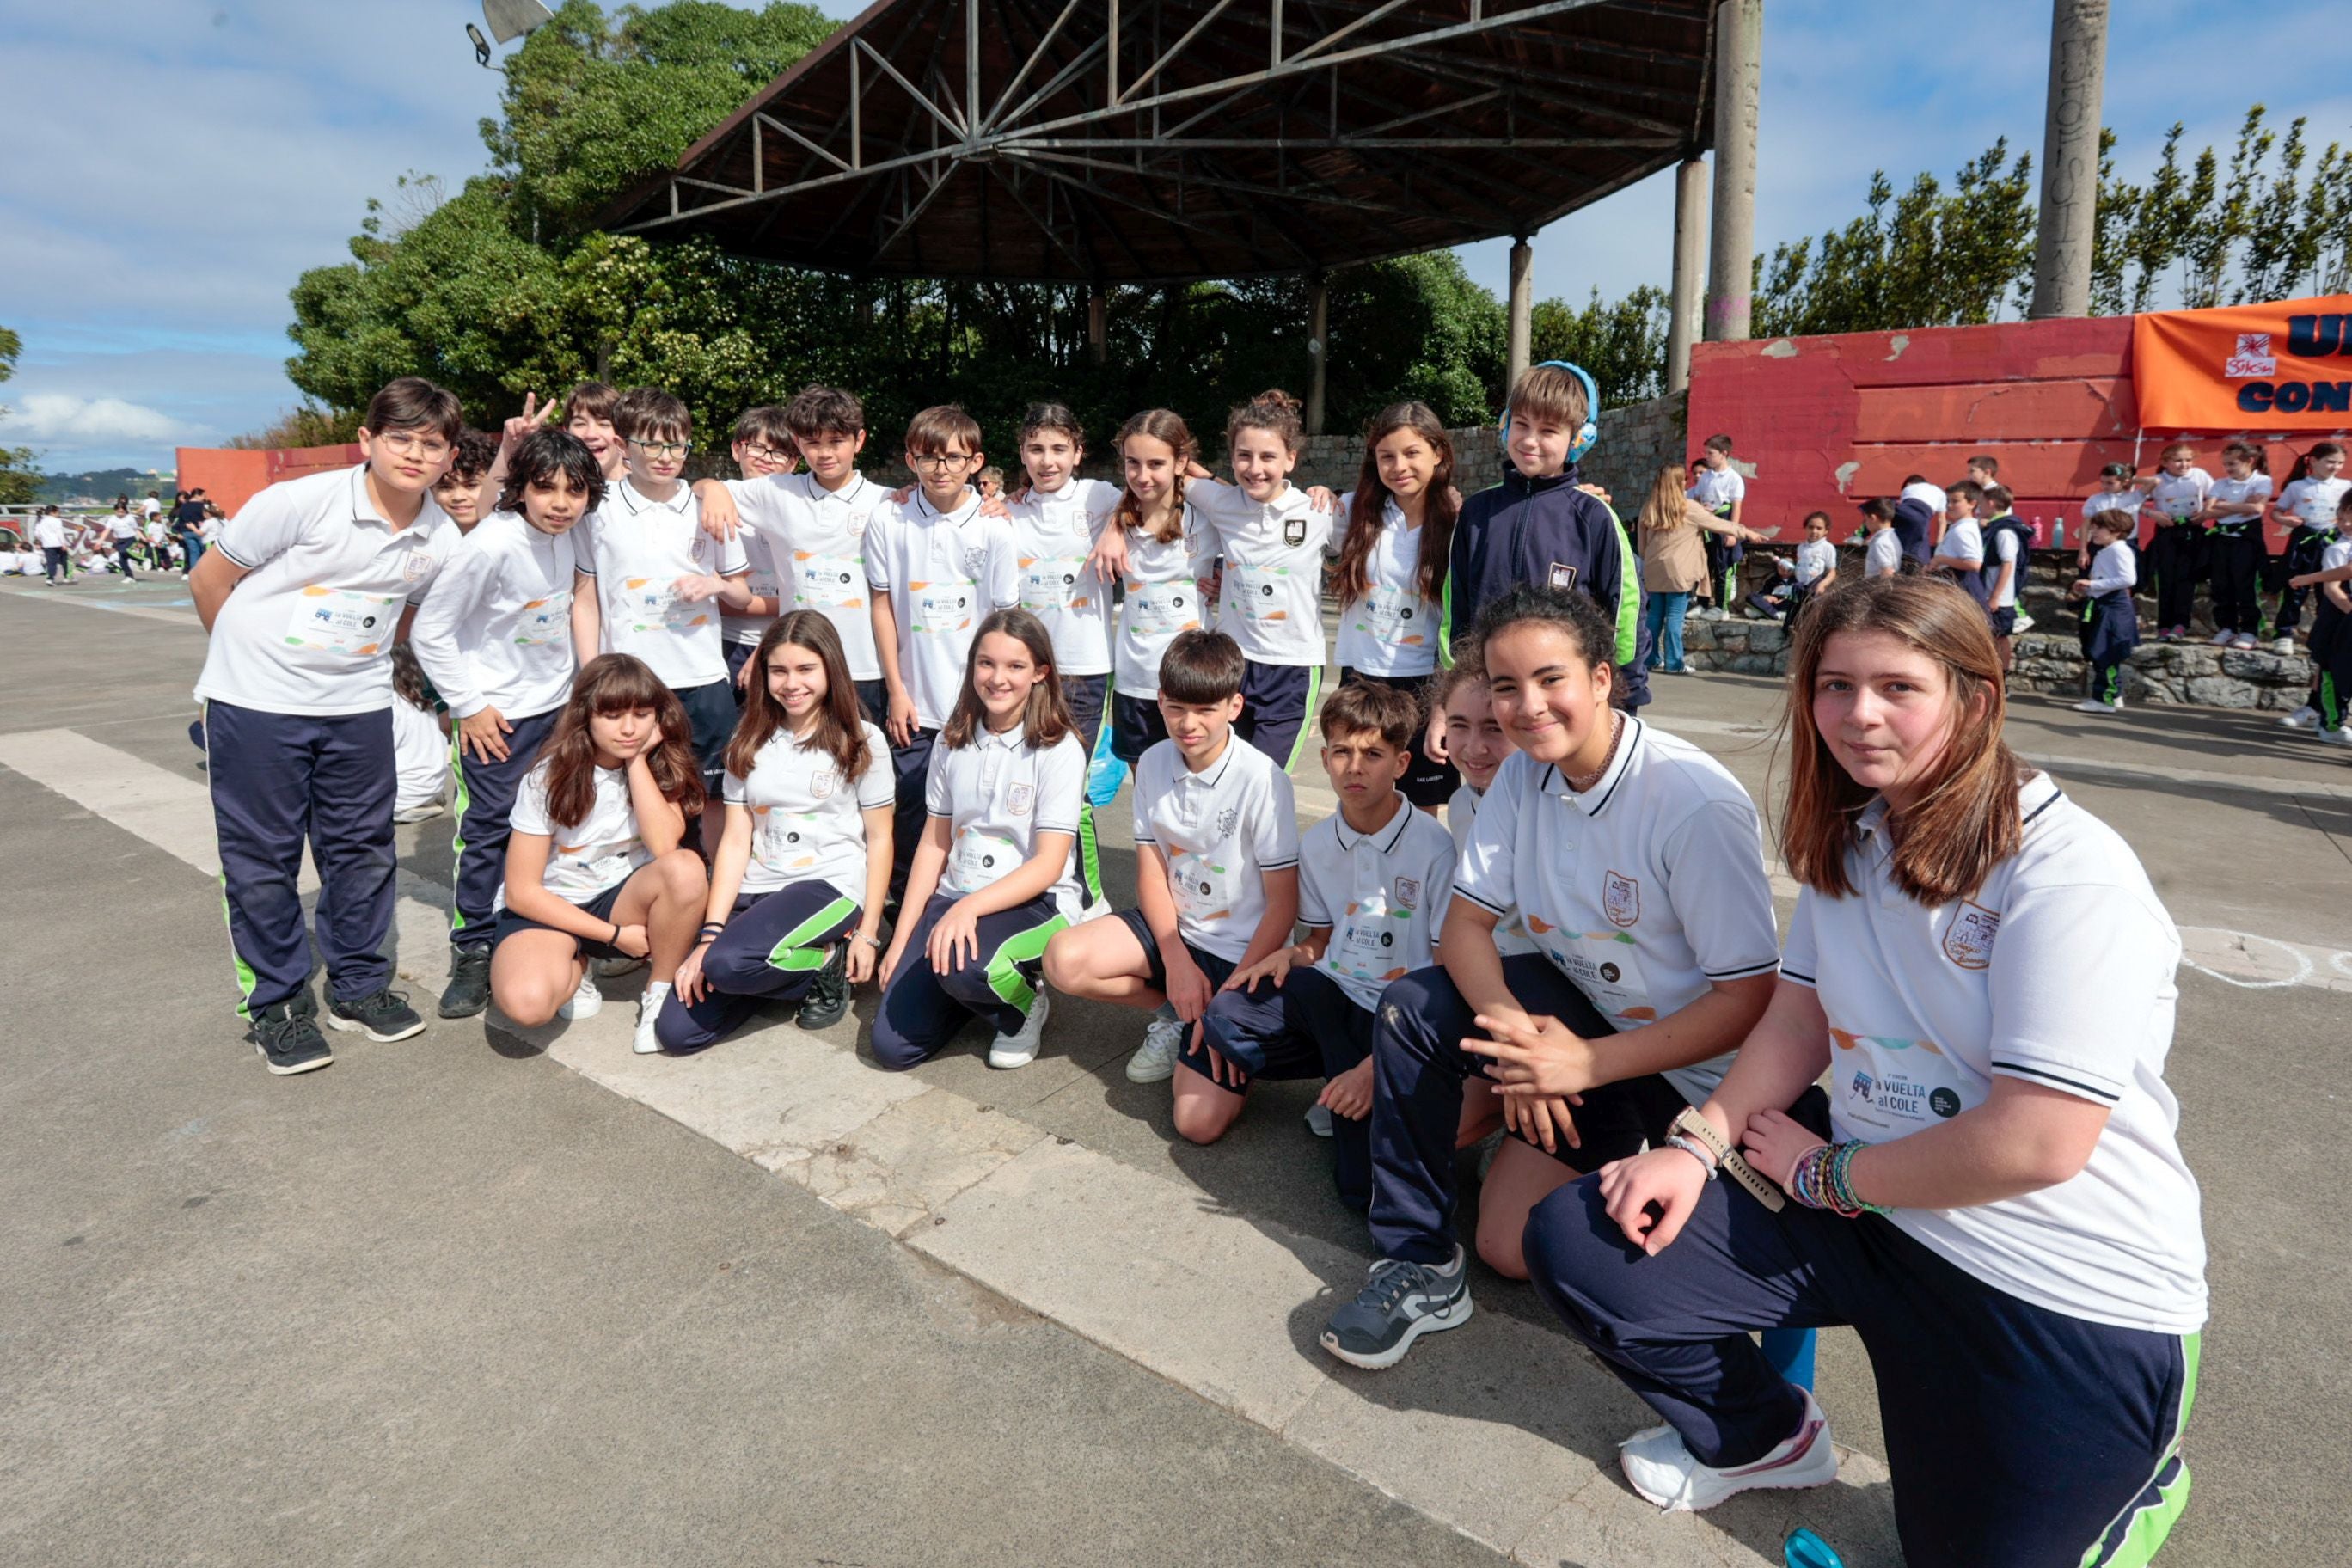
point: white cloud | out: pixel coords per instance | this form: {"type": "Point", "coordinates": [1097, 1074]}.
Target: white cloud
{"type": "Point", "coordinates": [86, 422]}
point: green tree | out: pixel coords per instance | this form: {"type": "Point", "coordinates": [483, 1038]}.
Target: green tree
{"type": "Point", "coordinates": [19, 481]}
{"type": "Point", "coordinates": [1621, 344]}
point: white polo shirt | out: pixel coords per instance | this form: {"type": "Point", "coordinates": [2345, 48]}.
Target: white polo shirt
{"type": "Point", "coordinates": [1271, 602]}
{"type": "Point", "coordinates": [495, 631]}
{"type": "Point", "coordinates": [150, 506]}
{"type": "Point", "coordinates": [805, 818]}
{"type": "Point", "coordinates": [763, 581]}
{"type": "Point", "coordinates": [1384, 894]}
{"type": "Point", "coordinates": [1461, 815]}
{"type": "Point", "coordinates": [1052, 534]}
{"type": "Point", "coordinates": [1163, 598]}
{"type": "Point", "coordinates": [1642, 889]}
{"type": "Point", "coordinates": [998, 794]}
{"type": "Point", "coordinates": [309, 629]}
{"type": "Point", "coordinates": [2058, 971]}
{"type": "Point", "coordinates": [1716, 489]}
{"type": "Point", "coordinates": [1815, 559]}
{"type": "Point", "coordinates": [1963, 541]}
{"type": "Point", "coordinates": [2336, 552]}
{"type": "Point", "coordinates": [599, 852]}
{"type": "Point", "coordinates": [1391, 630]}
{"type": "Point", "coordinates": [122, 526]}
{"type": "Point", "coordinates": [1220, 830]}
{"type": "Point", "coordinates": [820, 534]}
{"type": "Point", "coordinates": [636, 550]}
{"type": "Point", "coordinates": [2314, 501]}
{"type": "Point", "coordinates": [944, 572]}
{"type": "Point", "coordinates": [50, 532]}
{"type": "Point", "coordinates": [1922, 491]}
{"type": "Point", "coordinates": [2227, 491]}
{"type": "Point", "coordinates": [2182, 495]}
{"type": "Point", "coordinates": [2003, 552]}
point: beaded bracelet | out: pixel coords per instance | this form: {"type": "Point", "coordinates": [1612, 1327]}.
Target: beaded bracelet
{"type": "Point", "coordinates": [1823, 1179]}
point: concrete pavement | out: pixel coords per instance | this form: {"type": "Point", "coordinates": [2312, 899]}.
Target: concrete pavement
{"type": "Point", "coordinates": [443, 1205]}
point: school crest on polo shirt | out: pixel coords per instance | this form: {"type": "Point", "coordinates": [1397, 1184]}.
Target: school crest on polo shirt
{"type": "Point", "coordinates": [1967, 940]}
{"type": "Point", "coordinates": [1621, 898]}
{"type": "Point", "coordinates": [1226, 820]}
{"type": "Point", "coordinates": [975, 558]}
{"type": "Point", "coordinates": [416, 566]}
{"type": "Point", "coordinates": [821, 783]}
{"type": "Point", "coordinates": [1019, 798]}
{"type": "Point", "coordinates": [1293, 531]}
{"type": "Point", "coordinates": [1408, 892]}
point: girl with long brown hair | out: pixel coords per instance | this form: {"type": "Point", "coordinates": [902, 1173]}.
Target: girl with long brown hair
{"type": "Point", "coordinates": [1056, 516]}
{"type": "Point", "coordinates": [803, 865]}
{"type": "Point", "coordinates": [1992, 1191]}
{"type": "Point", "coordinates": [1154, 533]}
{"type": "Point", "coordinates": [1391, 572]}
{"type": "Point", "coordinates": [597, 865]}
{"type": "Point", "coordinates": [1007, 858]}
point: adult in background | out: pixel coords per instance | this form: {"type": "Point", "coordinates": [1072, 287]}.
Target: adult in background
{"type": "Point", "coordinates": [2001, 1209]}
{"type": "Point", "coordinates": [188, 522]}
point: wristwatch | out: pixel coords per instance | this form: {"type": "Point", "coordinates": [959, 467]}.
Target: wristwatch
{"type": "Point", "coordinates": [1691, 1124]}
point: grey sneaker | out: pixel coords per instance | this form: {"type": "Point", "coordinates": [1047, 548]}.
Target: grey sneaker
{"type": "Point", "coordinates": [1400, 1303]}
{"type": "Point", "coordinates": [288, 1038]}
{"type": "Point", "coordinates": [468, 991]}
{"type": "Point", "coordinates": [1156, 1061]}
{"type": "Point", "coordinates": [1019, 1049]}
{"type": "Point", "coordinates": [612, 968]}
{"type": "Point", "coordinates": [827, 1002]}
{"type": "Point", "coordinates": [381, 1016]}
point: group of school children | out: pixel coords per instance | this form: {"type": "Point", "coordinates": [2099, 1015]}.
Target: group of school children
{"type": "Point", "coordinates": [782, 735]}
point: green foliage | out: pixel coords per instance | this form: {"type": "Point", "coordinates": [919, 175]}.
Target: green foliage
{"type": "Point", "coordinates": [19, 481]}
{"type": "Point", "coordinates": [594, 103]}
{"type": "Point", "coordinates": [1621, 344]}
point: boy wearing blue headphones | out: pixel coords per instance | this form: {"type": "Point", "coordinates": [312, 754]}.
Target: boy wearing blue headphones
{"type": "Point", "coordinates": [1537, 527]}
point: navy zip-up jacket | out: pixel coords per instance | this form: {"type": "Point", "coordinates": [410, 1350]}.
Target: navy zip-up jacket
{"type": "Point", "coordinates": [1545, 530]}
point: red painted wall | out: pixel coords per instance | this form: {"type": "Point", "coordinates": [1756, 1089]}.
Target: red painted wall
{"type": "Point", "coordinates": [1827, 423]}
{"type": "Point", "coordinates": [232, 477]}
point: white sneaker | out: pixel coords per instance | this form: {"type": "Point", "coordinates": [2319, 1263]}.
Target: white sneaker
{"type": "Point", "coordinates": [1662, 1469]}
{"type": "Point", "coordinates": [2023, 623]}
{"type": "Point", "coordinates": [1714, 613]}
{"type": "Point", "coordinates": [2244, 643]}
{"type": "Point", "coordinates": [2093, 705]}
{"type": "Point", "coordinates": [649, 1006]}
{"type": "Point", "coordinates": [2337, 737]}
{"type": "Point", "coordinates": [2303, 717]}
{"type": "Point", "coordinates": [586, 1002]}
{"type": "Point", "coordinates": [1155, 1062]}
{"type": "Point", "coordinates": [2223, 639]}
{"type": "Point", "coordinates": [2283, 648]}
{"type": "Point", "coordinates": [1319, 1120]}
{"type": "Point", "coordinates": [1019, 1049]}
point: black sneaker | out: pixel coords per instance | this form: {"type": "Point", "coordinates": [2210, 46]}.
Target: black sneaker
{"type": "Point", "coordinates": [468, 991]}
{"type": "Point", "coordinates": [1401, 1302]}
{"type": "Point", "coordinates": [382, 1015]}
{"type": "Point", "coordinates": [289, 1041]}
{"type": "Point", "coordinates": [827, 1002]}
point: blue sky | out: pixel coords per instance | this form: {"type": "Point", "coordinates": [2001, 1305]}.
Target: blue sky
{"type": "Point", "coordinates": [172, 165]}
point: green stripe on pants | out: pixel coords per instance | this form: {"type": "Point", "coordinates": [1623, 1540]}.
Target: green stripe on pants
{"type": "Point", "coordinates": [793, 954]}
{"type": "Point", "coordinates": [1004, 976]}
{"type": "Point", "coordinates": [246, 978]}
{"type": "Point", "coordinates": [1307, 717]}
{"type": "Point", "coordinates": [2144, 1525]}
{"type": "Point", "coordinates": [1089, 854]}
{"type": "Point", "coordinates": [458, 825]}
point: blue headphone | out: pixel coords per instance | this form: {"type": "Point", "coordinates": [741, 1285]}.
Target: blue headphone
{"type": "Point", "coordinates": [1585, 437]}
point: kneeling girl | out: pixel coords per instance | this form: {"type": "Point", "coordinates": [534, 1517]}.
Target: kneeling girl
{"type": "Point", "coordinates": [596, 863]}
{"type": "Point", "coordinates": [996, 872]}
{"type": "Point", "coordinates": [803, 865]}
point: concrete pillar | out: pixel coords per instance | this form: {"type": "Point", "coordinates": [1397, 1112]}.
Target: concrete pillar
{"type": "Point", "coordinates": [2068, 229]}
{"type": "Point", "coordinates": [1739, 74]}
{"type": "Point", "coordinates": [1690, 265]}
{"type": "Point", "coordinates": [1097, 324]}
{"type": "Point", "coordinates": [1523, 309]}
{"type": "Point", "coordinates": [1318, 329]}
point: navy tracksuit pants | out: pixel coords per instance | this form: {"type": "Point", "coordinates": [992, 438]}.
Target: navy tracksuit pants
{"type": "Point", "coordinates": [486, 797]}
{"type": "Point", "coordinates": [2019, 1437]}
{"type": "Point", "coordinates": [277, 781]}
{"type": "Point", "coordinates": [922, 1009]}
{"type": "Point", "coordinates": [2110, 632]}
{"type": "Point", "coordinates": [2304, 547]}
{"type": "Point", "coordinates": [1278, 702]}
{"type": "Point", "coordinates": [773, 947]}
{"type": "Point", "coordinates": [1086, 694]}
{"type": "Point", "coordinates": [1306, 1028]}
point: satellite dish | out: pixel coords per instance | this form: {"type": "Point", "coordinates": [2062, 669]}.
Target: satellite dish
{"type": "Point", "coordinates": [510, 19]}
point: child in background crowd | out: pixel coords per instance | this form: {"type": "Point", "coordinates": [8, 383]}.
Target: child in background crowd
{"type": "Point", "coordinates": [2176, 551]}
{"type": "Point", "coordinates": [1882, 547]}
{"type": "Point", "coordinates": [1959, 553]}
{"type": "Point", "coordinates": [420, 741]}
{"type": "Point", "coordinates": [1056, 522]}
{"type": "Point", "coordinates": [598, 865]}
{"type": "Point", "coordinates": [995, 873]}
{"type": "Point", "coordinates": [466, 493]}
{"type": "Point", "coordinates": [1158, 535]}
{"type": "Point", "coordinates": [2331, 637]}
{"type": "Point", "coordinates": [761, 444]}
{"type": "Point", "coordinates": [802, 866]}
{"type": "Point", "coordinates": [1722, 491]}
{"type": "Point", "coordinates": [1216, 850]}
{"type": "Point", "coordinates": [2234, 550]}
{"type": "Point", "coordinates": [2110, 625]}
{"type": "Point", "coordinates": [2307, 505]}
{"type": "Point", "coordinates": [2009, 554]}
{"type": "Point", "coordinates": [588, 414]}
{"type": "Point", "coordinates": [1391, 572]}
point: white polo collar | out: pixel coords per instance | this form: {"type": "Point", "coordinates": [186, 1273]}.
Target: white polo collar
{"type": "Point", "coordinates": [956, 518]}
{"type": "Point", "coordinates": [2037, 793]}
{"type": "Point", "coordinates": [1593, 801]}
{"type": "Point", "coordinates": [1008, 740]}
{"type": "Point", "coordinates": [848, 494]}
{"type": "Point", "coordinates": [1382, 838]}
{"type": "Point", "coordinates": [637, 500]}
{"type": "Point", "coordinates": [363, 509]}
{"type": "Point", "coordinates": [1211, 775]}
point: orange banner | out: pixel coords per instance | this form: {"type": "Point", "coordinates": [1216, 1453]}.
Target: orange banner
{"type": "Point", "coordinates": [2282, 367]}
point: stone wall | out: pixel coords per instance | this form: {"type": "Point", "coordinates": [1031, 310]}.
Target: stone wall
{"type": "Point", "coordinates": [1635, 441]}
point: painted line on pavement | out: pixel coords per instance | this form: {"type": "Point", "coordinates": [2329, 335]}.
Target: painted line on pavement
{"type": "Point", "coordinates": [153, 610]}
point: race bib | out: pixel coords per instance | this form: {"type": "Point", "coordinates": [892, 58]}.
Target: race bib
{"type": "Point", "coordinates": [1050, 582]}
{"type": "Point", "coordinates": [828, 581]}
{"type": "Point", "coordinates": [1153, 608]}
{"type": "Point", "coordinates": [592, 868]}
{"type": "Point", "coordinates": [786, 840]}
{"type": "Point", "coordinates": [342, 621]}
{"type": "Point", "coordinates": [1260, 592]}
{"type": "Point", "coordinates": [980, 859]}
{"type": "Point", "coordinates": [1607, 967]}
{"type": "Point", "coordinates": [1204, 890]}
{"type": "Point", "coordinates": [941, 606]}
{"type": "Point", "coordinates": [764, 584]}
{"type": "Point", "coordinates": [652, 605]}
{"type": "Point", "coordinates": [1368, 943]}
{"type": "Point", "coordinates": [1889, 1087]}
{"type": "Point", "coordinates": [1393, 616]}
{"type": "Point", "coordinates": [544, 620]}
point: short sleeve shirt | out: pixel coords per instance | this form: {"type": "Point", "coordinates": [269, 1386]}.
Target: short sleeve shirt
{"type": "Point", "coordinates": [2004, 551]}
{"type": "Point", "coordinates": [1461, 816]}
{"type": "Point", "coordinates": [944, 572]}
{"type": "Point", "coordinates": [1963, 541]}
{"type": "Point", "coordinates": [1161, 598]}
{"type": "Point", "coordinates": [1885, 555]}
{"type": "Point", "coordinates": [807, 821]}
{"type": "Point", "coordinates": [2057, 972]}
{"type": "Point", "coordinates": [309, 629]}
{"type": "Point", "coordinates": [1642, 889]}
{"type": "Point", "coordinates": [494, 630]}
{"type": "Point", "coordinates": [1220, 830]}
{"type": "Point", "coordinates": [2182, 495]}
{"type": "Point", "coordinates": [1716, 489]}
{"type": "Point", "coordinates": [637, 550]}
{"type": "Point", "coordinates": [598, 852]}
{"type": "Point", "coordinates": [999, 793]}
{"type": "Point", "coordinates": [2314, 501]}
{"type": "Point", "coordinates": [816, 547]}
{"type": "Point", "coordinates": [1053, 535]}
{"type": "Point", "coordinates": [1272, 600]}
{"type": "Point", "coordinates": [1382, 894]}
{"type": "Point", "coordinates": [1390, 630]}
{"type": "Point", "coordinates": [2228, 491]}
{"type": "Point", "coordinates": [1814, 560]}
